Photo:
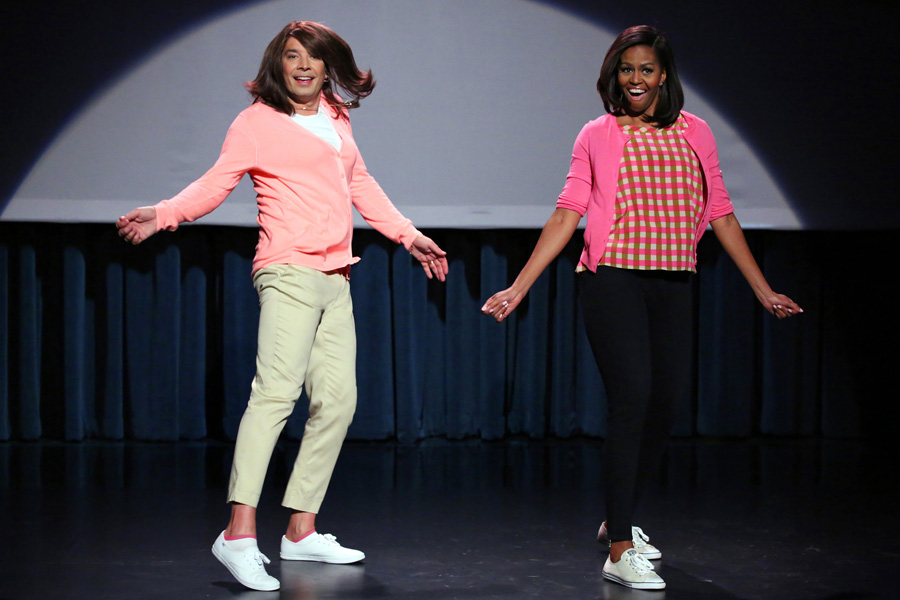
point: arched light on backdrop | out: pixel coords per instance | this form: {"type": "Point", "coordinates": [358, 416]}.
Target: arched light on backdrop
{"type": "Point", "coordinates": [471, 124]}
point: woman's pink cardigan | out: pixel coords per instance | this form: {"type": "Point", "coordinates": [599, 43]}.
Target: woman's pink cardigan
{"type": "Point", "coordinates": [594, 176]}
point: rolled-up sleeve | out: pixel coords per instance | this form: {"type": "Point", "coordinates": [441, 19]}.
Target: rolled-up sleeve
{"type": "Point", "coordinates": [719, 201]}
{"type": "Point", "coordinates": [576, 193]}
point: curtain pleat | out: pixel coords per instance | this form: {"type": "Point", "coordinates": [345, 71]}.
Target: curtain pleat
{"type": "Point", "coordinates": [192, 365]}
{"type": "Point", "coordinates": [491, 349]}
{"type": "Point", "coordinates": [408, 295]}
{"type": "Point", "coordinates": [432, 313]}
{"type": "Point", "coordinates": [371, 293]}
{"type": "Point", "coordinates": [153, 331]}
{"type": "Point", "coordinates": [462, 365]}
{"type": "Point", "coordinates": [727, 331]}
{"type": "Point", "coordinates": [5, 430]}
{"type": "Point", "coordinates": [240, 317]}
{"type": "Point", "coordinates": [29, 346]}
{"type": "Point", "coordinates": [109, 356]}
{"type": "Point", "coordinates": [590, 395]}
{"type": "Point", "coordinates": [75, 330]}
{"type": "Point", "coordinates": [528, 342]}
{"type": "Point", "coordinates": [564, 418]}
{"type": "Point", "coordinates": [791, 367]}
{"type": "Point", "coordinates": [101, 339]}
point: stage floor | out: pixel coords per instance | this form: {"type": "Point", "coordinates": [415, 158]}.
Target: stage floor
{"type": "Point", "coordinates": [748, 520]}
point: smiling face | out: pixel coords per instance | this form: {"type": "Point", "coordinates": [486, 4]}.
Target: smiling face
{"type": "Point", "coordinates": [304, 75]}
{"type": "Point", "coordinates": [640, 77]}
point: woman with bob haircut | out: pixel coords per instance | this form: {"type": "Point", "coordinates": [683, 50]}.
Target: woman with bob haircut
{"type": "Point", "coordinates": [296, 144]}
{"type": "Point", "coordinates": [647, 175]}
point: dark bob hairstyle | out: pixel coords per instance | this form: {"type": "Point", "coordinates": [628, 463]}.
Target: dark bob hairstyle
{"type": "Point", "coordinates": [671, 95]}
{"type": "Point", "coordinates": [320, 41]}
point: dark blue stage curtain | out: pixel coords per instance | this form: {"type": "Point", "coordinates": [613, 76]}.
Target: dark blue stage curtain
{"type": "Point", "coordinates": [99, 339]}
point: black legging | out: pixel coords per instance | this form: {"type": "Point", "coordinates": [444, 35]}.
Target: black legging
{"type": "Point", "coordinates": [639, 327]}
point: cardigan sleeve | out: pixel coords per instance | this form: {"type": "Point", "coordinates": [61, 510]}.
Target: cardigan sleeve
{"type": "Point", "coordinates": [375, 207]}
{"type": "Point", "coordinates": [577, 191]}
{"type": "Point", "coordinates": [719, 201]}
{"type": "Point", "coordinates": [238, 155]}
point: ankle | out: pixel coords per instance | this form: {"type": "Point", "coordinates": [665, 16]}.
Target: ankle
{"type": "Point", "coordinates": [236, 533]}
{"type": "Point", "coordinates": [617, 549]}
{"type": "Point", "coordinates": [298, 535]}
{"type": "Point", "coordinates": [242, 522]}
{"type": "Point", "coordinates": [300, 525]}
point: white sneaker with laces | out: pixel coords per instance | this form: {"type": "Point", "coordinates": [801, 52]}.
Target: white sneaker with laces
{"type": "Point", "coordinates": [244, 560]}
{"type": "Point", "coordinates": [634, 571]}
{"type": "Point", "coordinates": [640, 540]}
{"type": "Point", "coordinates": [320, 548]}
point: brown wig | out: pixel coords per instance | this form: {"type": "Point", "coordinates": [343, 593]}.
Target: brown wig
{"type": "Point", "coordinates": [671, 95]}
{"type": "Point", "coordinates": [321, 42]}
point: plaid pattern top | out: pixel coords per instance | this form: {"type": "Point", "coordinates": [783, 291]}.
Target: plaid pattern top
{"type": "Point", "coordinates": [659, 202]}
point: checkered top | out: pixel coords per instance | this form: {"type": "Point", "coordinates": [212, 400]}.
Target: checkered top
{"type": "Point", "coordinates": [659, 202]}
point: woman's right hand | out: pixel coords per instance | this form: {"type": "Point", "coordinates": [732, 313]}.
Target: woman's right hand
{"type": "Point", "coordinates": [137, 225]}
{"type": "Point", "coordinates": [556, 234]}
{"type": "Point", "coordinates": [501, 304]}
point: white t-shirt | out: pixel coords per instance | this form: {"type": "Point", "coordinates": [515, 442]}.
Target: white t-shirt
{"type": "Point", "coordinates": [320, 125]}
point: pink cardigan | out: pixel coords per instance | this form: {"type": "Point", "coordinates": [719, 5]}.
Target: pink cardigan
{"type": "Point", "coordinates": [594, 176]}
{"type": "Point", "coordinates": [304, 191]}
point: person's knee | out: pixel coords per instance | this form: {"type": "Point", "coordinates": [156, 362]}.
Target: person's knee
{"type": "Point", "coordinates": [274, 391]}
{"type": "Point", "coordinates": [336, 410]}
{"type": "Point", "coordinates": [275, 406]}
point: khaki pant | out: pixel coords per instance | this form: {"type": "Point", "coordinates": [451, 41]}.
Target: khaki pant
{"type": "Point", "coordinates": [307, 337]}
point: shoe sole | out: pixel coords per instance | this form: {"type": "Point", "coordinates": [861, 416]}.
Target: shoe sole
{"type": "Point", "coordinates": [648, 585]}
{"type": "Point", "coordinates": [239, 579]}
{"type": "Point", "coordinates": [324, 560]}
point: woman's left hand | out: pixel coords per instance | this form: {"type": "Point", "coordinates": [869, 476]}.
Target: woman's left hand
{"type": "Point", "coordinates": [430, 256]}
{"type": "Point", "coordinates": [780, 305]}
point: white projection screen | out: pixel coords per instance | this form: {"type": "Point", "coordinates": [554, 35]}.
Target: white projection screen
{"type": "Point", "coordinates": [471, 124]}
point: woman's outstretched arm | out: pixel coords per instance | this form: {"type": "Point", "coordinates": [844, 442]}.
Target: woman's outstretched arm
{"type": "Point", "coordinates": [731, 236]}
{"type": "Point", "coordinates": [556, 234]}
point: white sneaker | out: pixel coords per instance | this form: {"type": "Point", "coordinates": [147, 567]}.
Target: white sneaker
{"type": "Point", "coordinates": [319, 548]}
{"type": "Point", "coordinates": [634, 571]}
{"type": "Point", "coordinates": [639, 539]}
{"type": "Point", "coordinates": [245, 561]}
